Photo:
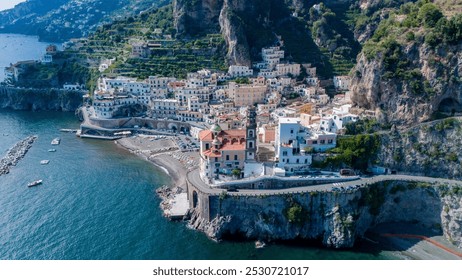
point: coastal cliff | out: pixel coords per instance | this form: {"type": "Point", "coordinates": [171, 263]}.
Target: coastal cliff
{"type": "Point", "coordinates": [334, 219]}
{"type": "Point", "coordinates": [409, 70]}
{"type": "Point", "coordinates": [40, 99]}
{"type": "Point", "coordinates": [430, 149]}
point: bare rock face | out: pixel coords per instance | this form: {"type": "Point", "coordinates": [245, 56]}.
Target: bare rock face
{"type": "Point", "coordinates": [228, 17]}
{"type": "Point", "coordinates": [336, 219]}
{"type": "Point", "coordinates": [430, 149]}
{"type": "Point", "coordinates": [429, 84]}
{"type": "Point", "coordinates": [40, 99]}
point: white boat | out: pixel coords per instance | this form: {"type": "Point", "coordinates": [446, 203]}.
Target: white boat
{"type": "Point", "coordinates": [35, 183]}
{"type": "Point", "coordinates": [260, 244]}
{"type": "Point", "coordinates": [55, 141]}
{"type": "Point", "coordinates": [52, 150]}
{"type": "Point", "coordinates": [45, 161]}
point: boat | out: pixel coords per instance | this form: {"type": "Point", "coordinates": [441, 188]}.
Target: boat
{"type": "Point", "coordinates": [55, 141]}
{"type": "Point", "coordinates": [260, 244]}
{"type": "Point", "coordinates": [45, 161]}
{"type": "Point", "coordinates": [35, 183]}
{"type": "Point", "coordinates": [68, 130]}
{"type": "Point", "coordinates": [52, 150]}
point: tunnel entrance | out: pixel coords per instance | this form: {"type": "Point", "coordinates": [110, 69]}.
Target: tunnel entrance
{"type": "Point", "coordinates": [449, 106]}
{"type": "Point", "coordinates": [195, 199]}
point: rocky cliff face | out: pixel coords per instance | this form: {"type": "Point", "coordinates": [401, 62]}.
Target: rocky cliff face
{"type": "Point", "coordinates": [335, 219]}
{"type": "Point", "coordinates": [431, 149]}
{"type": "Point", "coordinates": [429, 84]}
{"type": "Point", "coordinates": [40, 99]}
{"type": "Point", "coordinates": [237, 20]}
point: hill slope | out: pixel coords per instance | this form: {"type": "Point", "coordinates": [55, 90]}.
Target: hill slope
{"type": "Point", "coordinates": [59, 20]}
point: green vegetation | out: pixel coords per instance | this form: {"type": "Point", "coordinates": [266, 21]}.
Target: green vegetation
{"type": "Point", "coordinates": [296, 214]}
{"type": "Point", "coordinates": [242, 80]}
{"type": "Point", "coordinates": [363, 126]}
{"type": "Point", "coordinates": [448, 123]}
{"type": "Point", "coordinates": [66, 68]}
{"type": "Point", "coordinates": [354, 151]}
{"type": "Point", "coordinates": [373, 197]}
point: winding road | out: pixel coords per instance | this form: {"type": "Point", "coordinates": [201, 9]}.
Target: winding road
{"type": "Point", "coordinates": [194, 178]}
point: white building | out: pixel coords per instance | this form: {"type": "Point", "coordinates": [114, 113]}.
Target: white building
{"type": "Point", "coordinates": [290, 146]}
{"type": "Point", "coordinates": [159, 82]}
{"type": "Point", "coordinates": [342, 83]}
{"type": "Point", "coordinates": [336, 122]}
{"type": "Point", "coordinates": [288, 69]}
{"type": "Point", "coordinates": [239, 71]}
{"type": "Point", "coordinates": [164, 108]}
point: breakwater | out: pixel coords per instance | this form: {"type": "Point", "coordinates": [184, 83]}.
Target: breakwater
{"type": "Point", "coordinates": [16, 153]}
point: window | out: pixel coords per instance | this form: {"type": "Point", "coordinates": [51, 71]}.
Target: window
{"type": "Point", "coordinates": [250, 145]}
{"type": "Point", "coordinates": [329, 141]}
{"type": "Point", "coordinates": [298, 160]}
{"type": "Point", "coordinates": [291, 131]}
{"type": "Point", "coordinates": [207, 146]}
{"type": "Point", "coordinates": [227, 157]}
{"type": "Point", "coordinates": [323, 141]}
{"type": "Point", "coordinates": [284, 153]}
{"type": "Point", "coordinates": [315, 142]}
{"type": "Point", "coordinates": [235, 157]}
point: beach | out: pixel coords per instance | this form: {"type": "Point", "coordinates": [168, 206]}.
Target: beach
{"type": "Point", "coordinates": [165, 153]}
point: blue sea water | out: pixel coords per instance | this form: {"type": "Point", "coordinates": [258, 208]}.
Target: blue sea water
{"type": "Point", "coordinates": [98, 201]}
{"type": "Point", "coordinates": [16, 47]}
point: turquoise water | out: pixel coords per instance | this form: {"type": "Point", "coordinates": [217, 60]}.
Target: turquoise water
{"type": "Point", "coordinates": [98, 202]}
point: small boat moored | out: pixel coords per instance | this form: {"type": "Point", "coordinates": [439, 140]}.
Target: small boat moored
{"type": "Point", "coordinates": [35, 183]}
{"type": "Point", "coordinates": [56, 141]}
{"type": "Point", "coordinates": [260, 244]}
{"type": "Point", "coordinates": [52, 150]}
{"type": "Point", "coordinates": [45, 161]}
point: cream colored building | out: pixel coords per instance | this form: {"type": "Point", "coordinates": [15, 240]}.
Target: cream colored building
{"type": "Point", "coordinates": [246, 95]}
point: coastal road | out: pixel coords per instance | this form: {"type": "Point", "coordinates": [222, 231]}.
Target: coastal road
{"type": "Point", "coordinates": [195, 179]}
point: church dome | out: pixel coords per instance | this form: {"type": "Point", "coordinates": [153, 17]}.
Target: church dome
{"type": "Point", "coordinates": [215, 128]}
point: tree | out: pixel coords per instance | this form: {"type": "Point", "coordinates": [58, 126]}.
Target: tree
{"type": "Point", "coordinates": [236, 172]}
{"type": "Point", "coordinates": [430, 14]}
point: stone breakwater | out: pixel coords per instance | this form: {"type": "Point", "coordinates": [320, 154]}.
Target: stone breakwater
{"type": "Point", "coordinates": [16, 153]}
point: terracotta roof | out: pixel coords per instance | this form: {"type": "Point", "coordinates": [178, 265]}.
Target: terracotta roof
{"type": "Point", "coordinates": [211, 154]}
{"type": "Point", "coordinates": [235, 132]}
{"type": "Point", "coordinates": [233, 147]}
{"type": "Point", "coordinates": [205, 135]}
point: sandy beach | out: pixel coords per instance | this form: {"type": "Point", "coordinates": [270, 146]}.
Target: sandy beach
{"type": "Point", "coordinates": [408, 241]}
{"type": "Point", "coordinates": [165, 154]}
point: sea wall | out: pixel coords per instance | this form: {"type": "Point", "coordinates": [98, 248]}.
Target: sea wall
{"type": "Point", "coordinates": [336, 219]}
{"type": "Point", "coordinates": [30, 99]}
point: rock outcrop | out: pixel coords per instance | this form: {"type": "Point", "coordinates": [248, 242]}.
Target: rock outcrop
{"type": "Point", "coordinates": [40, 99]}
{"type": "Point", "coordinates": [432, 84]}
{"type": "Point", "coordinates": [336, 219]}
{"type": "Point", "coordinates": [236, 20]}
{"type": "Point", "coordinates": [430, 149]}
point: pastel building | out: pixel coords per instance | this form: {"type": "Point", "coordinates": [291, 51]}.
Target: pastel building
{"type": "Point", "coordinates": [290, 147]}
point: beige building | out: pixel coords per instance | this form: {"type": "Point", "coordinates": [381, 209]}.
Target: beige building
{"type": "Point", "coordinates": [246, 95]}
